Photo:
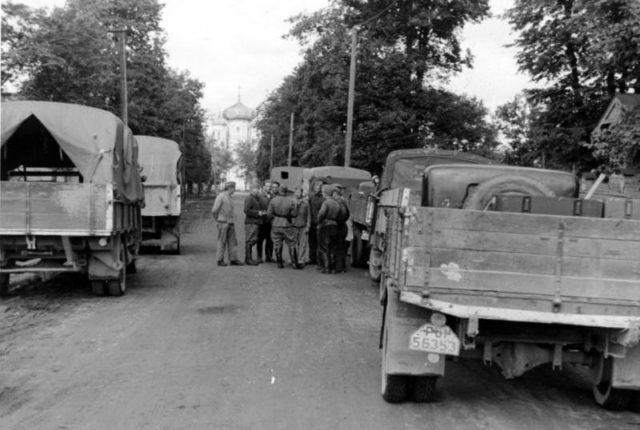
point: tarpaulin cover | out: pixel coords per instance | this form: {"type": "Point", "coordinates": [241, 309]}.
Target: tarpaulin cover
{"type": "Point", "coordinates": [405, 167]}
{"type": "Point", "coordinates": [97, 142]}
{"type": "Point", "coordinates": [159, 159]}
{"type": "Point", "coordinates": [349, 177]}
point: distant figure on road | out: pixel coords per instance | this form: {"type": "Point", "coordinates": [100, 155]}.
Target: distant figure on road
{"type": "Point", "coordinates": [328, 230]}
{"type": "Point", "coordinates": [254, 217]}
{"type": "Point", "coordinates": [264, 233]}
{"type": "Point", "coordinates": [223, 214]}
{"type": "Point", "coordinates": [282, 210]}
{"type": "Point", "coordinates": [315, 202]}
{"type": "Point", "coordinates": [301, 224]}
{"type": "Point", "coordinates": [341, 229]}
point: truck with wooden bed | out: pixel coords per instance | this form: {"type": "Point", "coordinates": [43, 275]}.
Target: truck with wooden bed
{"type": "Point", "coordinates": [70, 194]}
{"type": "Point", "coordinates": [507, 265]}
{"type": "Point", "coordinates": [161, 162]}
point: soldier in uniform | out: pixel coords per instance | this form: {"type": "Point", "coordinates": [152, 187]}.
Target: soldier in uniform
{"type": "Point", "coordinates": [315, 202]}
{"type": "Point", "coordinates": [301, 225]}
{"type": "Point", "coordinates": [264, 233]}
{"type": "Point", "coordinates": [282, 209]}
{"type": "Point", "coordinates": [327, 231]}
{"type": "Point", "coordinates": [252, 222]}
{"type": "Point", "coordinates": [341, 229]}
{"type": "Point", "coordinates": [223, 214]}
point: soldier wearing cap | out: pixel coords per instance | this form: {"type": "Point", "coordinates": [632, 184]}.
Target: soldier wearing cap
{"type": "Point", "coordinates": [301, 224]}
{"type": "Point", "coordinates": [223, 214]}
{"type": "Point", "coordinates": [341, 228]}
{"type": "Point", "coordinates": [282, 210]}
{"type": "Point", "coordinates": [252, 221]}
{"type": "Point", "coordinates": [264, 232]}
{"type": "Point", "coordinates": [327, 225]}
{"type": "Point", "coordinates": [315, 202]}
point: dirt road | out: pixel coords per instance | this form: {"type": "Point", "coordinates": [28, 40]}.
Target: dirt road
{"type": "Point", "coordinates": [195, 346]}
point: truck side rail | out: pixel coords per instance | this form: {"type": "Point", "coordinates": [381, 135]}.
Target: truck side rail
{"type": "Point", "coordinates": [558, 265]}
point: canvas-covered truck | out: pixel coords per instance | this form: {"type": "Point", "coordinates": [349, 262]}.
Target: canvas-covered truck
{"type": "Point", "coordinates": [70, 194]}
{"type": "Point", "coordinates": [403, 169]}
{"type": "Point", "coordinates": [161, 162]}
{"type": "Point", "coordinates": [507, 265]}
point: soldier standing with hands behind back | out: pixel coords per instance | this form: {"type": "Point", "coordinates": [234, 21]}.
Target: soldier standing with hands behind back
{"type": "Point", "coordinates": [282, 210]}
{"type": "Point", "coordinates": [328, 230]}
{"type": "Point", "coordinates": [223, 214]}
{"type": "Point", "coordinates": [315, 202]}
{"type": "Point", "coordinates": [252, 223]}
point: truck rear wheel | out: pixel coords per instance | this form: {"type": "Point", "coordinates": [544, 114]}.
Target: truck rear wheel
{"type": "Point", "coordinates": [423, 388]}
{"type": "Point", "coordinates": [98, 287]}
{"type": "Point", "coordinates": [604, 394]}
{"type": "Point", "coordinates": [395, 388]}
{"type": "Point", "coordinates": [4, 284]}
{"type": "Point", "coordinates": [118, 286]}
{"type": "Point", "coordinates": [481, 197]}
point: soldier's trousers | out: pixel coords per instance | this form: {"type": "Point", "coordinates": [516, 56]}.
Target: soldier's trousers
{"type": "Point", "coordinates": [341, 247]}
{"type": "Point", "coordinates": [327, 246]}
{"type": "Point", "coordinates": [264, 236]}
{"type": "Point", "coordinates": [313, 244]}
{"type": "Point", "coordinates": [227, 241]}
{"type": "Point", "coordinates": [301, 244]}
{"type": "Point", "coordinates": [283, 234]}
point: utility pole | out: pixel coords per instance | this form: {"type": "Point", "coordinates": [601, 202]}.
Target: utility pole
{"type": "Point", "coordinates": [352, 88]}
{"type": "Point", "coordinates": [290, 139]}
{"type": "Point", "coordinates": [271, 155]}
{"type": "Point", "coordinates": [124, 111]}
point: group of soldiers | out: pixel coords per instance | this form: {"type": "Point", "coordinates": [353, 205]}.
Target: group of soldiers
{"type": "Point", "coordinates": [314, 228]}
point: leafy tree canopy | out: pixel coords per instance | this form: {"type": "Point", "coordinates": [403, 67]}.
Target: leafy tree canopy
{"type": "Point", "coordinates": [397, 101]}
{"type": "Point", "coordinates": [69, 55]}
{"type": "Point", "coordinates": [582, 52]}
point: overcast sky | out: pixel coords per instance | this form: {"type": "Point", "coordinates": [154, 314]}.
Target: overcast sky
{"type": "Point", "coordinates": [237, 46]}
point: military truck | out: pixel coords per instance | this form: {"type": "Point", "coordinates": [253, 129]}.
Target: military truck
{"type": "Point", "coordinates": [291, 177]}
{"type": "Point", "coordinates": [161, 162]}
{"type": "Point", "coordinates": [505, 265]}
{"type": "Point", "coordinates": [403, 169]}
{"type": "Point", "coordinates": [71, 194]}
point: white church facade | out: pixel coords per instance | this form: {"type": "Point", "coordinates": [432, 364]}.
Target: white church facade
{"type": "Point", "coordinates": [230, 128]}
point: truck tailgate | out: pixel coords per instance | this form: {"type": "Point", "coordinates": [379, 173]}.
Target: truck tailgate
{"type": "Point", "coordinates": [55, 208]}
{"type": "Point", "coordinates": [523, 262]}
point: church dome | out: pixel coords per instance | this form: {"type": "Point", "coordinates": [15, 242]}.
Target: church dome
{"type": "Point", "coordinates": [238, 112]}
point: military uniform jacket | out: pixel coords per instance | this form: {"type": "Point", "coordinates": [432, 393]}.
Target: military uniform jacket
{"type": "Point", "coordinates": [223, 208]}
{"type": "Point", "coordinates": [302, 215]}
{"type": "Point", "coordinates": [315, 203]}
{"type": "Point", "coordinates": [328, 213]}
{"type": "Point", "coordinates": [251, 208]}
{"type": "Point", "coordinates": [282, 210]}
{"type": "Point", "coordinates": [343, 214]}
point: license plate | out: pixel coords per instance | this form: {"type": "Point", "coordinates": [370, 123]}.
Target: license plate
{"type": "Point", "coordinates": [365, 235]}
{"type": "Point", "coordinates": [439, 340]}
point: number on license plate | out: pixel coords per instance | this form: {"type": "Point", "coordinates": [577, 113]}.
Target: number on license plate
{"type": "Point", "coordinates": [440, 340]}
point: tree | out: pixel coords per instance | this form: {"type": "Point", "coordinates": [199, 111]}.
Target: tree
{"type": "Point", "coordinates": [246, 157]}
{"type": "Point", "coordinates": [69, 55]}
{"type": "Point", "coordinates": [583, 51]}
{"type": "Point", "coordinates": [394, 108]}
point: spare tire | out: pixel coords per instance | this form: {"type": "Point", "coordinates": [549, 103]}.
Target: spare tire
{"type": "Point", "coordinates": [506, 184]}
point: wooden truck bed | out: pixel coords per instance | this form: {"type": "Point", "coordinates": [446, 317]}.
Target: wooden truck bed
{"type": "Point", "coordinates": [524, 267]}
{"type": "Point", "coordinates": [42, 208]}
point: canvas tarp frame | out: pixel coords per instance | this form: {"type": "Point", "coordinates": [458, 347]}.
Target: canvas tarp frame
{"type": "Point", "coordinates": [97, 142]}
{"type": "Point", "coordinates": [160, 160]}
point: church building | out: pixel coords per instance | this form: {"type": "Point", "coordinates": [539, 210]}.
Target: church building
{"type": "Point", "coordinates": [235, 125]}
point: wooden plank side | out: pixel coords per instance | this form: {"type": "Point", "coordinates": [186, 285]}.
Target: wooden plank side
{"type": "Point", "coordinates": [56, 207]}
{"type": "Point", "coordinates": [503, 222]}
{"type": "Point", "coordinates": [13, 205]}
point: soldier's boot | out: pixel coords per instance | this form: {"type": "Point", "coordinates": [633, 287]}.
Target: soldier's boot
{"type": "Point", "coordinates": [247, 256]}
{"type": "Point", "coordinates": [323, 263]}
{"type": "Point", "coordinates": [332, 263]}
{"type": "Point", "coordinates": [293, 255]}
{"type": "Point", "coordinates": [279, 258]}
{"type": "Point", "coordinates": [259, 260]}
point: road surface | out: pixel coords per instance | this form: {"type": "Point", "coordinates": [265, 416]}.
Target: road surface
{"type": "Point", "coordinates": [196, 346]}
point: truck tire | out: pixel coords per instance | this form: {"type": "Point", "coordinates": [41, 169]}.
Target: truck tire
{"type": "Point", "coordinates": [604, 394]}
{"type": "Point", "coordinates": [634, 405]}
{"type": "Point", "coordinates": [506, 184]}
{"type": "Point", "coordinates": [4, 284]}
{"type": "Point", "coordinates": [118, 286]}
{"type": "Point", "coordinates": [395, 388]}
{"type": "Point", "coordinates": [98, 287]}
{"type": "Point", "coordinates": [423, 388]}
